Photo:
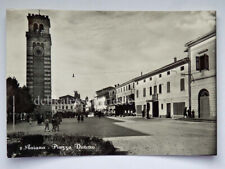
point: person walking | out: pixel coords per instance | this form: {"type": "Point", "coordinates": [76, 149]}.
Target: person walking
{"type": "Point", "coordinates": [78, 118]}
{"type": "Point", "coordinates": [189, 113]}
{"type": "Point", "coordinates": [185, 112]}
{"type": "Point", "coordinates": [57, 124]}
{"type": "Point", "coordinates": [30, 120]}
{"type": "Point", "coordinates": [47, 124]}
{"type": "Point", "coordinates": [53, 124]}
{"type": "Point", "coordinates": [82, 118]}
{"type": "Point", "coordinates": [193, 113]}
{"type": "Point", "coordinates": [143, 113]}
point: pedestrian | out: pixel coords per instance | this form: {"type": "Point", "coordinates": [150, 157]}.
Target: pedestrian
{"type": "Point", "coordinates": [82, 118]}
{"type": "Point", "coordinates": [47, 124]}
{"type": "Point", "coordinates": [53, 124]}
{"type": "Point", "coordinates": [189, 113]}
{"type": "Point", "coordinates": [99, 114]}
{"type": "Point", "coordinates": [30, 120]}
{"type": "Point", "coordinates": [185, 112]}
{"type": "Point", "coordinates": [143, 113]}
{"type": "Point", "coordinates": [193, 113]}
{"type": "Point", "coordinates": [57, 122]}
{"type": "Point", "coordinates": [78, 118]}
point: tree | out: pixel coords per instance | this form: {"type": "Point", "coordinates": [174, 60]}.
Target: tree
{"type": "Point", "coordinates": [23, 101]}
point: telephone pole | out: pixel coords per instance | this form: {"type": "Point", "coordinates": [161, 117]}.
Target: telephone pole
{"type": "Point", "coordinates": [13, 112]}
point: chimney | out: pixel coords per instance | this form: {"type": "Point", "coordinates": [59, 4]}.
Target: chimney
{"type": "Point", "coordinates": [141, 73]}
{"type": "Point", "coordinates": [175, 59]}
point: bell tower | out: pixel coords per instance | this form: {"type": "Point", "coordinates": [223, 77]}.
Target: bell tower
{"type": "Point", "coordinates": [38, 71]}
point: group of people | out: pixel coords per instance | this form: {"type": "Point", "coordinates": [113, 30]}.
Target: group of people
{"type": "Point", "coordinates": [55, 124]}
{"type": "Point", "coordinates": [80, 118]}
{"type": "Point", "coordinates": [188, 113]}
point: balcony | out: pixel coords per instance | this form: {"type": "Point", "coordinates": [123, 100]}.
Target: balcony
{"type": "Point", "coordinates": [155, 97]}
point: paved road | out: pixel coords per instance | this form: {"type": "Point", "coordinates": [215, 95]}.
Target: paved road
{"type": "Point", "coordinates": [141, 136]}
{"type": "Point", "coordinates": [92, 126]}
{"type": "Point", "coordinates": [167, 137]}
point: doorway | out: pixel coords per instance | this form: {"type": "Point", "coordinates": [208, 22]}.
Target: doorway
{"type": "Point", "coordinates": [168, 110]}
{"type": "Point", "coordinates": [203, 104]}
{"type": "Point", "coordinates": [155, 109]}
{"type": "Point", "coordinates": [139, 107]}
{"type": "Point", "coordinates": [148, 110]}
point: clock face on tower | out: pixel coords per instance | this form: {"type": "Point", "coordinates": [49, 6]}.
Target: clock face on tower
{"type": "Point", "coordinates": [38, 51]}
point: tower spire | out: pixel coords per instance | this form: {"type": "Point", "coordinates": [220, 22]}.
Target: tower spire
{"type": "Point", "coordinates": [39, 11]}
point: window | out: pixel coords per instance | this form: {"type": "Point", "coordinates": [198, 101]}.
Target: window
{"type": "Point", "coordinates": [155, 89]}
{"type": "Point", "coordinates": [62, 107]}
{"type": "Point", "coordinates": [160, 88]}
{"type": "Point", "coordinates": [168, 87]}
{"type": "Point", "coordinates": [144, 92]}
{"type": "Point", "coordinates": [41, 28]}
{"type": "Point", "coordinates": [150, 78]}
{"type": "Point", "coordinates": [160, 75]}
{"type": "Point", "coordinates": [71, 107]}
{"type": "Point", "coordinates": [144, 80]}
{"type": "Point", "coordinates": [137, 83]}
{"type": "Point", "coordinates": [150, 91]}
{"type": "Point", "coordinates": [137, 93]}
{"type": "Point", "coordinates": [181, 68]}
{"type": "Point", "coordinates": [168, 73]}
{"type": "Point", "coordinates": [162, 106]}
{"type": "Point", "coordinates": [202, 62]}
{"type": "Point", "coordinates": [128, 87]}
{"type": "Point", "coordinates": [66, 107]}
{"type": "Point", "coordinates": [182, 85]}
{"type": "Point", "coordinates": [55, 107]}
{"type": "Point", "coordinates": [35, 27]}
{"type": "Point", "coordinates": [133, 85]}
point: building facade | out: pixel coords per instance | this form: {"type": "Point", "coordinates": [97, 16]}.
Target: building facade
{"type": "Point", "coordinates": [125, 97]}
{"type": "Point", "coordinates": [104, 99]}
{"type": "Point", "coordinates": [164, 91]}
{"type": "Point", "coordinates": [64, 104]}
{"type": "Point", "coordinates": [38, 72]}
{"type": "Point", "coordinates": [202, 53]}
{"type": "Point", "coordinates": [111, 100]}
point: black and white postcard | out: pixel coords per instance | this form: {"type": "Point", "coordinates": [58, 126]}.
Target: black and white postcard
{"type": "Point", "coordinates": [111, 83]}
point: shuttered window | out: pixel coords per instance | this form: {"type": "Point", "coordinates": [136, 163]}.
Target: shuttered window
{"type": "Point", "coordinates": [144, 92]}
{"type": "Point", "coordinates": [182, 85]}
{"type": "Point", "coordinates": [137, 93]}
{"type": "Point", "coordinates": [155, 89]}
{"type": "Point", "coordinates": [160, 88]}
{"type": "Point", "coordinates": [168, 87]}
{"type": "Point", "coordinates": [202, 62]}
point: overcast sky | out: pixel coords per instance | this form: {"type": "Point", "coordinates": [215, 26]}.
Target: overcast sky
{"type": "Point", "coordinates": [105, 48]}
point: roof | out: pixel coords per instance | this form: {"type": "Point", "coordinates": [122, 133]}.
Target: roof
{"type": "Point", "coordinates": [66, 96]}
{"type": "Point", "coordinates": [105, 89]}
{"type": "Point", "coordinates": [127, 82]}
{"type": "Point", "coordinates": [200, 39]}
{"type": "Point", "coordinates": [164, 68]}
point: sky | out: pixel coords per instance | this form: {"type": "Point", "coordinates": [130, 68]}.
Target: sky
{"type": "Point", "coordinates": [104, 48]}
